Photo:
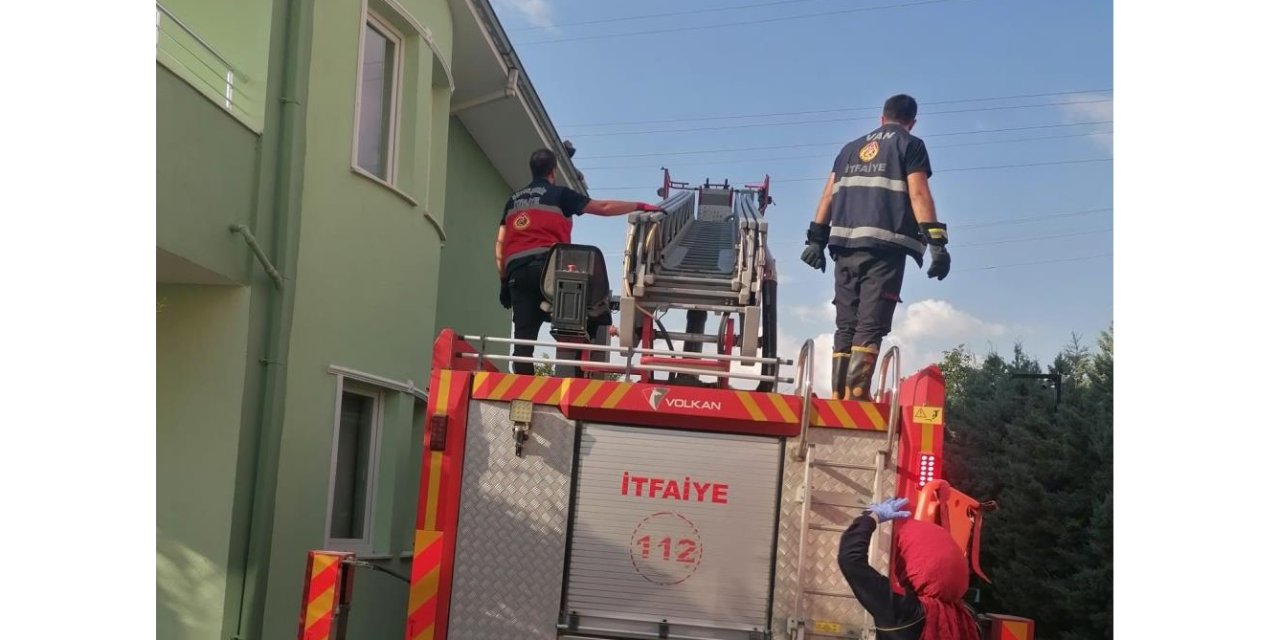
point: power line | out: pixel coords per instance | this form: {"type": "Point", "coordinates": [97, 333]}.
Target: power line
{"type": "Point", "coordinates": [734, 24]}
{"type": "Point", "coordinates": [948, 170]}
{"type": "Point", "coordinates": [660, 15]}
{"type": "Point", "coordinates": [818, 111]}
{"type": "Point", "coordinates": [1037, 262]}
{"type": "Point", "coordinates": [1028, 219]}
{"type": "Point", "coordinates": [825, 155]}
{"type": "Point", "coordinates": [790, 124]}
{"type": "Point", "coordinates": [842, 142]}
{"type": "Point", "coordinates": [1011, 221]}
{"type": "Point", "coordinates": [1032, 238]}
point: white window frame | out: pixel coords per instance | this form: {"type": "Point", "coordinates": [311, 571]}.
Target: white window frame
{"type": "Point", "coordinates": [384, 27]}
{"type": "Point", "coordinates": [363, 544]}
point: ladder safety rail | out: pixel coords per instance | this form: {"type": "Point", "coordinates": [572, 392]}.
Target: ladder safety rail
{"type": "Point", "coordinates": [797, 622]}
{"type": "Point", "coordinates": [705, 252]}
{"type": "Point", "coordinates": [628, 354]}
{"type": "Point", "coordinates": [803, 452]}
{"type": "Point", "coordinates": [891, 362]}
{"type": "Point", "coordinates": [805, 391]}
{"type": "Point", "coordinates": [648, 236]}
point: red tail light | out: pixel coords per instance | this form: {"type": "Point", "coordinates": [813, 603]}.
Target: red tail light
{"type": "Point", "coordinates": [439, 426]}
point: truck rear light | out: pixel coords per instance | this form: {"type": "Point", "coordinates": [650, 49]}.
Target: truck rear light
{"type": "Point", "coordinates": [926, 468]}
{"type": "Point", "coordinates": [439, 426]}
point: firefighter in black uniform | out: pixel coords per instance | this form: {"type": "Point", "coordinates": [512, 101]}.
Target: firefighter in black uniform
{"type": "Point", "coordinates": [875, 211]}
{"type": "Point", "coordinates": [535, 219]}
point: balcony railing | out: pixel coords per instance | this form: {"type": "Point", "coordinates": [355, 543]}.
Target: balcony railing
{"type": "Point", "coordinates": [193, 59]}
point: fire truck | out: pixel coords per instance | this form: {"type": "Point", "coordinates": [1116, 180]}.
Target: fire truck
{"type": "Point", "coordinates": [644, 491]}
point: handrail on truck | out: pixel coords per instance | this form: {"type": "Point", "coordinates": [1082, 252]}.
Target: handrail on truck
{"type": "Point", "coordinates": [629, 353]}
{"type": "Point", "coordinates": [804, 389]}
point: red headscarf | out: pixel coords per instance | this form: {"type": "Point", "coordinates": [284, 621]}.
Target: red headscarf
{"type": "Point", "coordinates": [936, 569]}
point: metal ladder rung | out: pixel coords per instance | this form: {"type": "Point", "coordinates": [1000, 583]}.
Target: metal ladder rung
{"type": "Point", "coordinates": [829, 594]}
{"type": "Point", "coordinates": [707, 293]}
{"type": "Point", "coordinates": [843, 465]}
{"type": "Point", "coordinates": [826, 528]}
{"type": "Point", "coordinates": [660, 276]}
{"type": "Point", "coordinates": [814, 503]}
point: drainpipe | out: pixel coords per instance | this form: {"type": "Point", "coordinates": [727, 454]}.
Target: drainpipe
{"type": "Point", "coordinates": [286, 196]}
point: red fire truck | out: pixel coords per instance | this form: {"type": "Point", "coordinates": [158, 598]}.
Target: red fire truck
{"type": "Point", "coordinates": [638, 492]}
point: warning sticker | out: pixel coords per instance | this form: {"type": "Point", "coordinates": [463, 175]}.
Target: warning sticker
{"type": "Point", "coordinates": [827, 627]}
{"type": "Point", "coordinates": [927, 415]}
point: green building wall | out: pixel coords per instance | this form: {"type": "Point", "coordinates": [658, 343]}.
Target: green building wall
{"type": "Point", "coordinates": [238, 31]}
{"type": "Point", "coordinates": [370, 260]}
{"type": "Point", "coordinates": [206, 181]}
{"type": "Point", "coordinates": [244, 450]}
{"type": "Point", "coordinates": [469, 299]}
{"type": "Point", "coordinates": [201, 336]}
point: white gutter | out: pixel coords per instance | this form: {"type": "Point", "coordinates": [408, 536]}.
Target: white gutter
{"type": "Point", "coordinates": [509, 91]}
{"type": "Point", "coordinates": [501, 46]}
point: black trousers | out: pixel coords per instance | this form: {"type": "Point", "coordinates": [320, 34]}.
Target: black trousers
{"type": "Point", "coordinates": [527, 316]}
{"type": "Point", "coordinates": [868, 284]}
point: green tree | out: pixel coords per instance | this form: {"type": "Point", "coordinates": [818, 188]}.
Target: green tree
{"type": "Point", "coordinates": [1047, 462]}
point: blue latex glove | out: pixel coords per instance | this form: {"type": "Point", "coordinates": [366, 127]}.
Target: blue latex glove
{"type": "Point", "coordinates": [890, 509]}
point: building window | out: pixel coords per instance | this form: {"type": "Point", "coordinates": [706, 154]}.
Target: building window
{"type": "Point", "coordinates": [378, 99]}
{"type": "Point", "coordinates": [355, 461]}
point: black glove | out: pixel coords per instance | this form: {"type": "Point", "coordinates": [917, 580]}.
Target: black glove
{"type": "Point", "coordinates": [935, 234]}
{"type": "Point", "coordinates": [816, 243]}
{"type": "Point", "coordinates": [939, 262]}
{"type": "Point", "coordinates": [504, 296]}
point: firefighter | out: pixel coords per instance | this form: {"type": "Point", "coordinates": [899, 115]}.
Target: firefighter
{"type": "Point", "coordinates": [934, 578]}
{"type": "Point", "coordinates": [875, 211]}
{"type": "Point", "coordinates": [535, 219]}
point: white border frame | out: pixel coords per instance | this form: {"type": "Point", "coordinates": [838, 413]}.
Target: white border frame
{"type": "Point", "coordinates": [364, 544]}
{"type": "Point", "coordinates": [383, 26]}
{"type": "Point", "coordinates": [407, 386]}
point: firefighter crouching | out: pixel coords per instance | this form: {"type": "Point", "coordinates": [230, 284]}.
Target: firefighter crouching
{"type": "Point", "coordinates": [875, 210]}
{"type": "Point", "coordinates": [535, 219]}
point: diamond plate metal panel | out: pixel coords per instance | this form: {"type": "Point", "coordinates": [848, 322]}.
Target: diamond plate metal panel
{"type": "Point", "coordinates": [512, 527]}
{"type": "Point", "coordinates": [847, 490]}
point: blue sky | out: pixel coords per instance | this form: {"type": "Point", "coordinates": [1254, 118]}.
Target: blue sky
{"type": "Point", "coordinates": [1045, 228]}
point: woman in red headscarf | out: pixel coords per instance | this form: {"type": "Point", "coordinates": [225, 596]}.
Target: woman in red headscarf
{"type": "Point", "coordinates": [934, 573]}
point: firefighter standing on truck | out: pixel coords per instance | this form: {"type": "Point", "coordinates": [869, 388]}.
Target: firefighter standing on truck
{"type": "Point", "coordinates": [535, 219]}
{"type": "Point", "coordinates": [876, 210]}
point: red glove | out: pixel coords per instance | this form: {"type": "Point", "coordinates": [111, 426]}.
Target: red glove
{"type": "Point", "coordinates": [644, 206]}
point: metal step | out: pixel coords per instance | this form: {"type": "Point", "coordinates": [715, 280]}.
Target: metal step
{"type": "Point", "coordinates": [653, 290]}
{"type": "Point", "coordinates": [662, 276]}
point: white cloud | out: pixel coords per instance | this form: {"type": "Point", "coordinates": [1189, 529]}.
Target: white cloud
{"type": "Point", "coordinates": [824, 313]}
{"type": "Point", "coordinates": [932, 318]}
{"type": "Point", "coordinates": [789, 349]}
{"type": "Point", "coordinates": [1091, 107]}
{"type": "Point", "coordinates": [536, 12]}
{"type": "Point", "coordinates": [922, 331]}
